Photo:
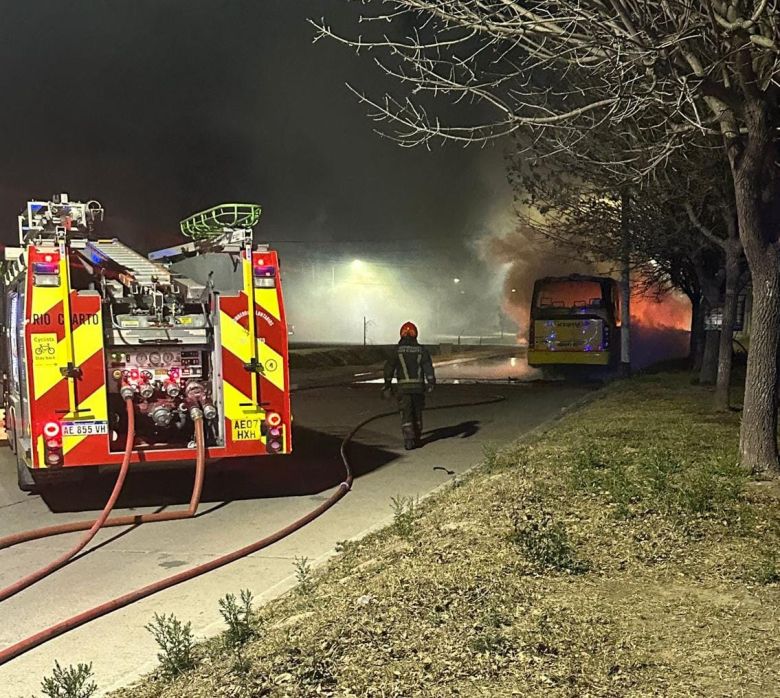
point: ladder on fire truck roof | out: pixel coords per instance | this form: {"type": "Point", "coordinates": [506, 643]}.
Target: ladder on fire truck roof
{"type": "Point", "coordinates": [223, 228]}
{"type": "Point", "coordinates": [144, 271]}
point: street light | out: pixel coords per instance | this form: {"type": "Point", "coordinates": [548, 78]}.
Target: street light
{"type": "Point", "coordinates": [456, 281]}
{"type": "Point", "coordinates": [357, 264]}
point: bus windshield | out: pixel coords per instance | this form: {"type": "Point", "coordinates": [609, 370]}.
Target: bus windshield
{"type": "Point", "coordinates": [569, 294]}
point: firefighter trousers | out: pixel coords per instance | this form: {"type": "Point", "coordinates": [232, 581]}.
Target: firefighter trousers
{"type": "Point", "coordinates": [411, 406]}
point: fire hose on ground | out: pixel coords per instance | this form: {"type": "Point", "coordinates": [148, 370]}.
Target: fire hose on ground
{"type": "Point", "coordinates": [127, 520]}
{"type": "Point", "coordinates": [115, 604]}
{"type": "Point", "coordinates": [95, 525]}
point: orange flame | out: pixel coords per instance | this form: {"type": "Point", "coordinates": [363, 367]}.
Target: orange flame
{"type": "Point", "coordinates": [671, 312]}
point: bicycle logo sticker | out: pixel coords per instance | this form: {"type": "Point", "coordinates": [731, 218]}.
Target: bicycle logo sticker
{"type": "Point", "coordinates": [44, 348]}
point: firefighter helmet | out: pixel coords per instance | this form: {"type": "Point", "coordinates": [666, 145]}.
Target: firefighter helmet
{"type": "Point", "coordinates": [409, 329]}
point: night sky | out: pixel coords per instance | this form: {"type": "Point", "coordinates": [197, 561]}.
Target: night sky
{"type": "Point", "coordinates": [159, 108]}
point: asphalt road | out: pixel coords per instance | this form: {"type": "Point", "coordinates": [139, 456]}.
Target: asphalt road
{"type": "Point", "coordinates": [241, 503]}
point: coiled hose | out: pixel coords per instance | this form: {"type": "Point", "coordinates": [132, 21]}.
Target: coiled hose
{"type": "Point", "coordinates": [103, 609]}
{"type": "Point", "coordinates": [96, 525]}
{"type": "Point", "coordinates": [130, 519]}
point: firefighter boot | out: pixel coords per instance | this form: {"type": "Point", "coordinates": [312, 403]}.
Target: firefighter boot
{"type": "Point", "coordinates": [408, 432]}
{"type": "Point", "coordinates": [418, 427]}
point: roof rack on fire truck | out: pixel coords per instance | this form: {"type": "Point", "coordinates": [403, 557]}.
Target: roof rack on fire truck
{"type": "Point", "coordinates": [223, 228]}
{"type": "Point", "coordinates": [46, 223]}
{"type": "Point", "coordinates": [57, 219]}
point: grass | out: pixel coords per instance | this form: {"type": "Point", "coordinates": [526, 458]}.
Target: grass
{"type": "Point", "coordinates": [621, 553]}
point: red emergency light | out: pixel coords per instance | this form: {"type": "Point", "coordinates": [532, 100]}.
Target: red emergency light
{"type": "Point", "coordinates": [51, 429]}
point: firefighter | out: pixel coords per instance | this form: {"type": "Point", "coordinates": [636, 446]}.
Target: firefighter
{"type": "Point", "coordinates": [413, 370]}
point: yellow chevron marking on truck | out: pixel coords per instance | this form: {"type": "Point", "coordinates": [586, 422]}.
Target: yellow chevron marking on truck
{"type": "Point", "coordinates": [94, 407]}
{"type": "Point", "coordinates": [240, 414]}
{"type": "Point", "coordinates": [49, 355]}
{"type": "Point", "coordinates": [268, 300]}
{"type": "Point", "coordinates": [272, 363]}
{"type": "Point", "coordinates": [234, 337]}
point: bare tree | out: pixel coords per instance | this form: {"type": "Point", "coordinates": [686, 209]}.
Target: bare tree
{"type": "Point", "coordinates": [673, 69]}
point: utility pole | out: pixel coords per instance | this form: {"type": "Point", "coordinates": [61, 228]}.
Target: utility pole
{"type": "Point", "coordinates": [365, 330]}
{"type": "Point", "coordinates": [625, 287]}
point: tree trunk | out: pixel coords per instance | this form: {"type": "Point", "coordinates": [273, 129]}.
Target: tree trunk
{"type": "Point", "coordinates": [697, 334]}
{"type": "Point", "coordinates": [726, 350]}
{"type": "Point", "coordinates": [758, 432]}
{"type": "Point", "coordinates": [625, 290]}
{"type": "Point", "coordinates": [709, 364]}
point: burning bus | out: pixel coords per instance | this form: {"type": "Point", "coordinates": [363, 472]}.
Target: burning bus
{"type": "Point", "coordinates": [575, 320]}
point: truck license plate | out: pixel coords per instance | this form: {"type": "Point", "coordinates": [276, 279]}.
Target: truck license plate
{"type": "Point", "coordinates": [84, 428]}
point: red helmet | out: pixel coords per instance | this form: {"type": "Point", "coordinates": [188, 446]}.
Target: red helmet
{"type": "Point", "coordinates": [408, 329]}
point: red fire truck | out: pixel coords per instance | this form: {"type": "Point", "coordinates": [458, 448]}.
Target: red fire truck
{"type": "Point", "coordinates": [98, 335]}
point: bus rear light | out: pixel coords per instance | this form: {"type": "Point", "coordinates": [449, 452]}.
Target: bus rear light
{"type": "Point", "coordinates": [274, 446]}
{"type": "Point", "coordinates": [53, 444]}
{"type": "Point", "coordinates": [53, 458]}
{"type": "Point", "coordinates": [274, 419]}
{"type": "Point", "coordinates": [51, 429]}
{"type": "Point", "coordinates": [275, 432]}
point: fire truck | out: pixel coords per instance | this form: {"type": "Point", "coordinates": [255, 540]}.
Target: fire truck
{"type": "Point", "coordinates": [103, 345]}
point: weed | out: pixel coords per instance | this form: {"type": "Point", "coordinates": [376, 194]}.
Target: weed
{"type": "Point", "coordinates": [315, 668]}
{"type": "Point", "coordinates": [494, 458]}
{"type": "Point", "coordinates": [176, 644]}
{"type": "Point", "coordinates": [404, 509]}
{"type": "Point", "coordinates": [238, 617]}
{"type": "Point", "coordinates": [658, 479]}
{"type": "Point", "coordinates": [304, 575]}
{"type": "Point", "coordinates": [71, 682]}
{"type": "Point", "coordinates": [490, 641]}
{"type": "Point", "coordinates": [490, 638]}
{"type": "Point", "coordinates": [768, 569]}
{"type": "Point", "coordinates": [544, 542]}
{"type": "Point", "coordinates": [346, 546]}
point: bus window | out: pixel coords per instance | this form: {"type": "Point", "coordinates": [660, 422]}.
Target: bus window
{"type": "Point", "coordinates": [570, 294]}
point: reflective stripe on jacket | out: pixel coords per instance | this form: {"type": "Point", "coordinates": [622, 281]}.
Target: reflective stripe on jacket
{"type": "Point", "coordinates": [411, 367]}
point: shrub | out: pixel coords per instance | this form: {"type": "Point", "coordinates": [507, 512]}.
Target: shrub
{"type": "Point", "coordinates": [176, 644]}
{"type": "Point", "coordinates": [71, 682]}
{"type": "Point", "coordinates": [238, 618]}
{"type": "Point", "coordinates": [303, 575]}
{"type": "Point", "coordinates": [768, 570]}
{"type": "Point", "coordinates": [404, 509]}
{"type": "Point", "coordinates": [544, 542]}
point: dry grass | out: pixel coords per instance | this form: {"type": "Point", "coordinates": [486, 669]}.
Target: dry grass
{"type": "Point", "coordinates": [620, 554]}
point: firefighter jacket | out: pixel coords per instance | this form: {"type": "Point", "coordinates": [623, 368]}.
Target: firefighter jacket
{"type": "Point", "coordinates": [411, 367]}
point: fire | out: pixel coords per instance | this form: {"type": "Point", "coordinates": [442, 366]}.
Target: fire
{"type": "Point", "coordinates": [671, 312]}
